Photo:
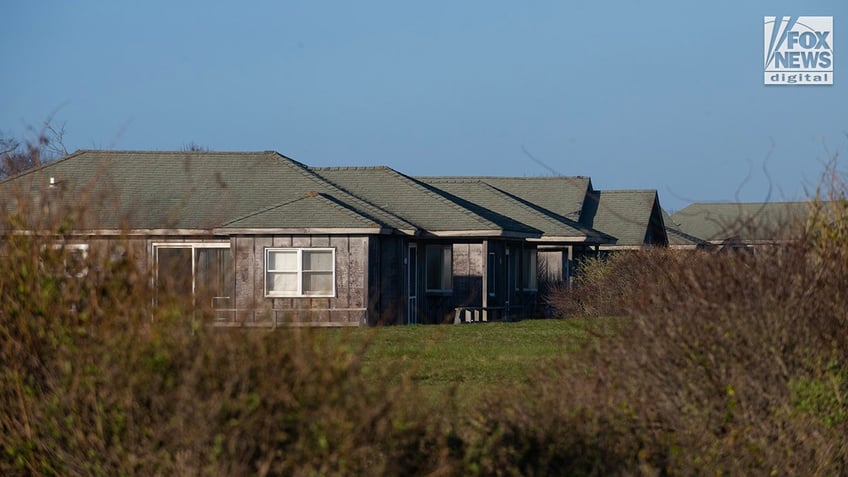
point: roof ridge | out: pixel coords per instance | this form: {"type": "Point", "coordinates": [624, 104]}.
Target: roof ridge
{"type": "Point", "coordinates": [310, 173]}
{"type": "Point", "coordinates": [806, 201]}
{"type": "Point", "coordinates": [358, 215]}
{"type": "Point", "coordinates": [549, 217]}
{"type": "Point", "coordinates": [364, 200]}
{"type": "Point", "coordinates": [484, 178]}
{"type": "Point", "coordinates": [626, 190]}
{"type": "Point", "coordinates": [265, 209]}
{"type": "Point", "coordinates": [348, 168]}
{"type": "Point", "coordinates": [550, 214]}
{"type": "Point", "coordinates": [325, 198]}
{"type": "Point", "coordinates": [166, 151]}
{"type": "Point", "coordinates": [40, 167]}
{"type": "Point", "coordinates": [421, 185]}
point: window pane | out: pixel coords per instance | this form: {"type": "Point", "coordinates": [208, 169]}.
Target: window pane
{"type": "Point", "coordinates": [282, 260]}
{"type": "Point", "coordinates": [75, 262]}
{"type": "Point", "coordinates": [532, 270]}
{"type": "Point", "coordinates": [439, 267]}
{"type": "Point", "coordinates": [213, 274]}
{"type": "Point", "coordinates": [413, 272]}
{"type": "Point", "coordinates": [317, 283]}
{"type": "Point", "coordinates": [282, 282]}
{"type": "Point", "coordinates": [318, 260]}
{"type": "Point", "coordinates": [490, 274]}
{"type": "Point", "coordinates": [447, 268]}
{"type": "Point", "coordinates": [434, 268]}
{"type": "Point", "coordinates": [173, 271]}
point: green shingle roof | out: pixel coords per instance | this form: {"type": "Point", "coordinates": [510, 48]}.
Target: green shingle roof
{"type": "Point", "coordinates": [626, 215]}
{"type": "Point", "coordinates": [323, 211]}
{"type": "Point", "coordinates": [552, 226]}
{"type": "Point", "coordinates": [561, 195]}
{"type": "Point", "coordinates": [747, 221]}
{"type": "Point", "coordinates": [226, 191]}
{"type": "Point", "coordinates": [181, 190]}
{"type": "Point", "coordinates": [678, 238]}
{"type": "Point", "coordinates": [421, 205]}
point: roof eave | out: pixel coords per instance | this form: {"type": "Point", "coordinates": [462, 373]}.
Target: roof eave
{"type": "Point", "coordinates": [303, 231]}
{"type": "Point", "coordinates": [580, 240]}
{"type": "Point", "coordinates": [496, 233]}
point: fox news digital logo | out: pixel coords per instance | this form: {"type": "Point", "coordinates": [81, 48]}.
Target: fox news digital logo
{"type": "Point", "coordinates": [798, 50]}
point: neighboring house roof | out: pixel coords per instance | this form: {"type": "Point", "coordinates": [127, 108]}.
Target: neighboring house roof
{"type": "Point", "coordinates": [748, 222]}
{"type": "Point", "coordinates": [145, 190]}
{"type": "Point", "coordinates": [193, 192]}
{"type": "Point", "coordinates": [427, 208]}
{"type": "Point", "coordinates": [478, 192]}
{"type": "Point", "coordinates": [677, 238]}
{"type": "Point", "coordinates": [632, 216]}
{"type": "Point", "coordinates": [561, 195]}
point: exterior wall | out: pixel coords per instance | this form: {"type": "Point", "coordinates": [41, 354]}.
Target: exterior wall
{"type": "Point", "coordinates": [348, 307]}
{"type": "Point", "coordinates": [471, 290]}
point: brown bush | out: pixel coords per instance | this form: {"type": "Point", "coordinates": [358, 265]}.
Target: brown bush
{"type": "Point", "coordinates": [725, 364]}
{"type": "Point", "coordinates": [98, 378]}
{"type": "Point", "coordinates": [731, 363]}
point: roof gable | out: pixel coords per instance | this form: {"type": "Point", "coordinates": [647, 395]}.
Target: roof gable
{"type": "Point", "coordinates": [632, 216]}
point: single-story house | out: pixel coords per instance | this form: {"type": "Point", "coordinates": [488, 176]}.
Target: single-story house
{"type": "Point", "coordinates": [264, 240]}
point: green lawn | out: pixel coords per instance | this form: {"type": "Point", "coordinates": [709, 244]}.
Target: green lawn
{"type": "Point", "coordinates": [472, 359]}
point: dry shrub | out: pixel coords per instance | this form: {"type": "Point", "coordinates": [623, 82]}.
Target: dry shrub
{"type": "Point", "coordinates": [97, 379]}
{"type": "Point", "coordinates": [732, 363]}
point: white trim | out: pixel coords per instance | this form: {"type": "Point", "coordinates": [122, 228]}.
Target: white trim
{"type": "Point", "coordinates": [299, 272]}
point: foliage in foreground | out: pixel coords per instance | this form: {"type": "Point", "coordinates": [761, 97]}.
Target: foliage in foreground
{"type": "Point", "coordinates": [97, 381]}
{"type": "Point", "coordinates": [734, 363]}
{"type": "Point", "coordinates": [730, 364]}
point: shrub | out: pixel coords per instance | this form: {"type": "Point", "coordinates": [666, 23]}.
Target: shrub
{"type": "Point", "coordinates": [732, 363]}
{"type": "Point", "coordinates": [99, 377]}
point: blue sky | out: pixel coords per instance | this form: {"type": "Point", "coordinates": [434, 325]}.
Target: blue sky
{"type": "Point", "coordinates": [665, 96]}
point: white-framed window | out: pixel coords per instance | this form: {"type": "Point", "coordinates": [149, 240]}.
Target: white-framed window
{"type": "Point", "coordinates": [74, 260]}
{"type": "Point", "coordinates": [300, 272]}
{"type": "Point", "coordinates": [527, 271]}
{"type": "Point", "coordinates": [439, 262]}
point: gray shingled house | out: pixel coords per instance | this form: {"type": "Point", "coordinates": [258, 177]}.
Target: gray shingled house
{"type": "Point", "coordinates": [577, 220]}
{"type": "Point", "coordinates": [264, 240]}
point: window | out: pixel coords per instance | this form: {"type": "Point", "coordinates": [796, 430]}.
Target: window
{"type": "Point", "coordinates": [203, 271]}
{"type": "Point", "coordinates": [490, 273]}
{"type": "Point", "coordinates": [73, 260]}
{"type": "Point", "coordinates": [300, 272]}
{"type": "Point", "coordinates": [527, 271]}
{"type": "Point", "coordinates": [439, 268]}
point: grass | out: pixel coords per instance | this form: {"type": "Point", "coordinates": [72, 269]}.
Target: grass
{"type": "Point", "coordinates": [467, 361]}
